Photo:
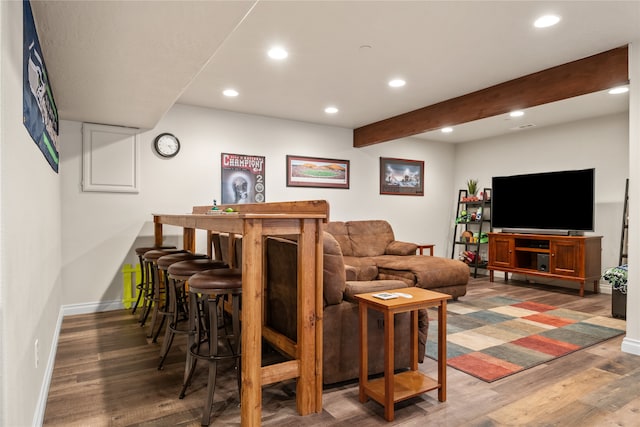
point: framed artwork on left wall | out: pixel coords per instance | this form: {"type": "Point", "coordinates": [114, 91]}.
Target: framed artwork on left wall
{"type": "Point", "coordinates": [401, 177]}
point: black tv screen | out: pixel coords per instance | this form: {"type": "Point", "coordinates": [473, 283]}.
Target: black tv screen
{"type": "Point", "coordinates": [558, 201]}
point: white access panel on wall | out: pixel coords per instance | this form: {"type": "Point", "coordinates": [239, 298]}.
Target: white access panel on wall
{"type": "Point", "coordinates": [110, 159]}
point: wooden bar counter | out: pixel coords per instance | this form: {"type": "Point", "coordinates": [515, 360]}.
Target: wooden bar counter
{"type": "Point", "coordinates": [254, 222]}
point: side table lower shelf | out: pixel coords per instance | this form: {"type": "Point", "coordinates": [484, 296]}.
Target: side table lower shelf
{"type": "Point", "coordinates": [406, 385]}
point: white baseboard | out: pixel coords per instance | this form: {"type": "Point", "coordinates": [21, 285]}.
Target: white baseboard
{"type": "Point", "coordinates": [630, 345]}
{"type": "Point", "coordinates": [605, 288]}
{"type": "Point", "coordinates": [92, 307]}
{"type": "Point", "coordinates": [38, 416]}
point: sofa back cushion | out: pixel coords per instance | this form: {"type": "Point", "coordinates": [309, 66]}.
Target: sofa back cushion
{"type": "Point", "coordinates": [370, 237]}
{"type": "Point", "coordinates": [338, 229]}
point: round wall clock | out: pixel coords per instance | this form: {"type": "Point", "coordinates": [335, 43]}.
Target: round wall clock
{"type": "Point", "coordinates": [166, 145]}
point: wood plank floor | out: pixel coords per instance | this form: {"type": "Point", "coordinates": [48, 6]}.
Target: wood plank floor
{"type": "Point", "coordinates": [105, 375]}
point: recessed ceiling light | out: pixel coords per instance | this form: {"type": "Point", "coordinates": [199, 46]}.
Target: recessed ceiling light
{"type": "Point", "coordinates": [277, 53]}
{"type": "Point", "coordinates": [546, 21]}
{"type": "Point", "coordinates": [618, 90]}
{"type": "Point", "coordinates": [331, 110]}
{"type": "Point", "coordinates": [230, 92]}
{"type": "Point", "coordinates": [446, 130]}
{"type": "Point", "coordinates": [397, 83]}
{"type": "Point", "coordinates": [517, 113]}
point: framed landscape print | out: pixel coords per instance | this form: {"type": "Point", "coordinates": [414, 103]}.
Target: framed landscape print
{"type": "Point", "coordinates": [401, 177]}
{"type": "Point", "coordinates": [317, 172]}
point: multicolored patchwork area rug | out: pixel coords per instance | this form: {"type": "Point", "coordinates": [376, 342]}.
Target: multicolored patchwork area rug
{"type": "Point", "coordinates": [491, 338]}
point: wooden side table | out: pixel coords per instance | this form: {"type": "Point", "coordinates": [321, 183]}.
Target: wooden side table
{"type": "Point", "coordinates": [421, 248]}
{"type": "Point", "coordinates": [397, 387]}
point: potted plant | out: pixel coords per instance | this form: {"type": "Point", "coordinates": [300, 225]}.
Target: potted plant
{"type": "Point", "coordinates": [472, 187]}
{"type": "Point", "coordinates": [617, 277]}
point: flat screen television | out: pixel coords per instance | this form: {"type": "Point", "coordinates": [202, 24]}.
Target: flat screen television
{"type": "Point", "coordinates": [555, 202]}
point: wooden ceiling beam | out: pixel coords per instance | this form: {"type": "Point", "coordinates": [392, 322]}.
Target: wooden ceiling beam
{"type": "Point", "coordinates": [587, 75]}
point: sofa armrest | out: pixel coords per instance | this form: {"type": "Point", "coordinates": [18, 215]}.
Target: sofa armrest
{"type": "Point", "coordinates": [400, 248]}
{"type": "Point", "coordinates": [362, 287]}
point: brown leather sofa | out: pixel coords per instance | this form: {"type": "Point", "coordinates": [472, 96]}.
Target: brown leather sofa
{"type": "Point", "coordinates": [369, 246]}
{"type": "Point", "coordinates": [340, 314]}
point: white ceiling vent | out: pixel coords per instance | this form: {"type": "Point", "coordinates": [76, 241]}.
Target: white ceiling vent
{"type": "Point", "coordinates": [526, 126]}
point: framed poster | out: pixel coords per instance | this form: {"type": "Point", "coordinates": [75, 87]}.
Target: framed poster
{"type": "Point", "coordinates": [317, 172]}
{"type": "Point", "coordinates": [39, 112]}
{"type": "Point", "coordinates": [401, 176]}
{"type": "Point", "coordinates": [243, 179]}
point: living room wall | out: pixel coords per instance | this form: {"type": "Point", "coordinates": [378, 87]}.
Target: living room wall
{"type": "Point", "coordinates": [601, 143]}
{"type": "Point", "coordinates": [100, 230]}
{"type": "Point", "coordinates": [30, 244]}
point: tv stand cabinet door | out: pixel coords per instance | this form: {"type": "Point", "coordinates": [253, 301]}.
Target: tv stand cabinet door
{"type": "Point", "coordinates": [501, 249]}
{"type": "Point", "coordinates": [565, 257]}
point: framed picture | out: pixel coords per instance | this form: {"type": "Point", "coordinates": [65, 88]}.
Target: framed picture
{"type": "Point", "coordinates": [243, 179]}
{"type": "Point", "coordinates": [317, 172]}
{"type": "Point", "coordinates": [39, 111]}
{"type": "Point", "coordinates": [401, 176]}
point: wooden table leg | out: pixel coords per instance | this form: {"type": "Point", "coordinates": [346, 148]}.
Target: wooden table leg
{"type": "Point", "coordinates": [157, 234]}
{"type": "Point", "coordinates": [251, 394]}
{"type": "Point", "coordinates": [389, 380]}
{"type": "Point", "coordinates": [442, 351]}
{"type": "Point", "coordinates": [306, 385]}
{"type": "Point", "coordinates": [414, 340]}
{"type": "Point", "coordinates": [319, 311]}
{"type": "Point", "coordinates": [364, 356]}
{"type": "Point", "coordinates": [189, 239]}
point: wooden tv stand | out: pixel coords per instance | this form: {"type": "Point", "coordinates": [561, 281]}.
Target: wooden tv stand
{"type": "Point", "coordinates": [574, 258]}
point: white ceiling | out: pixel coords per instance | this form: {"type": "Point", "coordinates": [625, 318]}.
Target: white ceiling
{"type": "Point", "coordinates": [127, 62]}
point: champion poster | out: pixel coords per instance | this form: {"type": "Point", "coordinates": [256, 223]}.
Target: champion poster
{"type": "Point", "coordinates": [39, 113]}
{"type": "Point", "coordinates": [243, 179]}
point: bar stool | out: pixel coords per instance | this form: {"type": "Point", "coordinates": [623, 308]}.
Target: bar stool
{"type": "Point", "coordinates": [163, 264]}
{"type": "Point", "coordinates": [140, 251]}
{"type": "Point", "coordinates": [178, 273]}
{"type": "Point", "coordinates": [208, 289]}
{"type": "Point", "coordinates": [152, 290]}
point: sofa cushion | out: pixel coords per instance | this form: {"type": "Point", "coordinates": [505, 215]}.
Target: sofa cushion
{"type": "Point", "coordinates": [369, 237]}
{"type": "Point", "coordinates": [401, 248]}
{"type": "Point", "coordinates": [430, 271]}
{"type": "Point", "coordinates": [338, 230]}
{"type": "Point", "coordinates": [365, 268]}
{"type": "Point", "coordinates": [406, 276]}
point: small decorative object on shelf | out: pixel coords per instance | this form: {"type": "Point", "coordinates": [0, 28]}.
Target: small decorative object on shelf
{"type": "Point", "coordinates": [469, 257]}
{"type": "Point", "coordinates": [215, 205]}
{"type": "Point", "coordinates": [466, 236]}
